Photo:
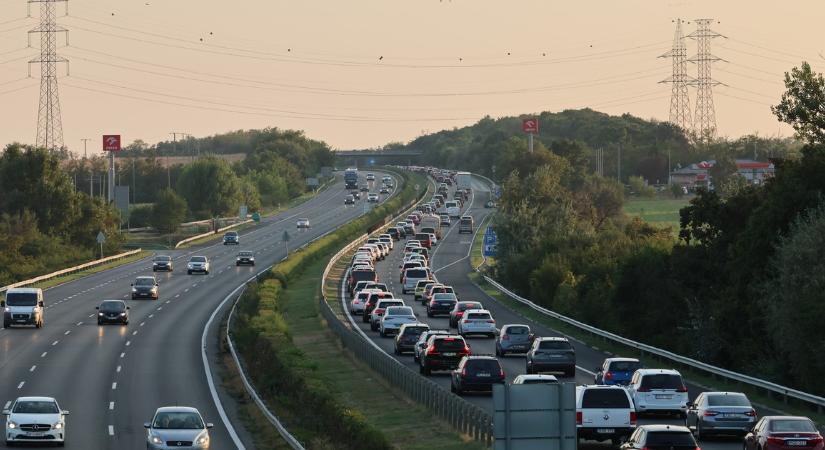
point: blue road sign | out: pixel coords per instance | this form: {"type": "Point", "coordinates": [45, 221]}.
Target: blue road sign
{"type": "Point", "coordinates": [490, 242]}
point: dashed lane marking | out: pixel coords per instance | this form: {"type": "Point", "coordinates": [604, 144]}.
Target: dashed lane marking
{"type": "Point", "coordinates": [20, 386]}
{"type": "Point", "coordinates": [128, 343]}
{"type": "Point", "coordinates": [111, 430]}
{"type": "Point", "coordinates": [44, 354]}
{"type": "Point", "coordinates": [33, 368]}
{"type": "Point", "coordinates": [123, 354]}
{"type": "Point", "coordinates": [111, 406]}
{"type": "Point", "coordinates": [55, 343]}
{"type": "Point", "coordinates": [118, 369]}
{"type": "Point", "coordinates": [114, 385]}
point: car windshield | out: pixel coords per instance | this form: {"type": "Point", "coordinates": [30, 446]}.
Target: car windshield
{"type": "Point", "coordinates": [163, 258]}
{"type": "Point", "coordinates": [21, 299]}
{"type": "Point", "coordinates": [625, 366]}
{"type": "Point", "coordinates": [144, 282]}
{"type": "Point", "coordinates": [728, 400]}
{"type": "Point", "coordinates": [400, 311]}
{"type": "Point", "coordinates": [198, 259]}
{"type": "Point", "coordinates": [792, 425]}
{"type": "Point", "coordinates": [449, 344]}
{"type": "Point", "coordinates": [478, 316]}
{"type": "Point", "coordinates": [466, 306]}
{"type": "Point", "coordinates": [555, 345]}
{"type": "Point", "coordinates": [483, 365]}
{"type": "Point", "coordinates": [605, 398]}
{"type": "Point", "coordinates": [518, 330]}
{"type": "Point", "coordinates": [231, 234]}
{"type": "Point", "coordinates": [414, 331]}
{"type": "Point", "coordinates": [112, 306]}
{"type": "Point", "coordinates": [35, 407]}
{"type": "Point", "coordinates": [670, 439]}
{"type": "Point", "coordinates": [177, 421]}
{"type": "Point", "coordinates": [416, 273]}
{"type": "Point", "coordinates": [245, 254]}
{"type": "Point", "coordinates": [387, 304]}
{"type": "Point", "coordinates": [662, 381]}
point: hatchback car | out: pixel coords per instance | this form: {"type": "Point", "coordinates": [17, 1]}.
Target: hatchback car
{"type": "Point", "coordinates": [410, 278]}
{"type": "Point", "coordinates": [421, 343]}
{"type": "Point", "coordinates": [604, 413]}
{"type": "Point", "coordinates": [162, 262]}
{"type": "Point", "coordinates": [112, 311]}
{"type": "Point", "coordinates": [372, 198]}
{"type": "Point", "coordinates": [145, 287]}
{"type": "Point", "coordinates": [372, 301]}
{"type": "Point", "coordinates": [407, 336]}
{"type": "Point", "coordinates": [349, 200]}
{"type": "Point", "coordinates": [551, 354]}
{"type": "Point", "coordinates": [231, 237]}
{"type": "Point", "coordinates": [175, 427]}
{"type": "Point", "coordinates": [35, 420]}
{"type": "Point", "coordinates": [198, 264]}
{"type": "Point", "coordinates": [671, 437]}
{"type": "Point", "coordinates": [476, 321]}
{"type": "Point", "coordinates": [617, 371]}
{"type": "Point", "coordinates": [245, 258]}
{"type": "Point", "coordinates": [476, 373]}
{"type": "Point", "coordinates": [783, 432]}
{"type": "Point", "coordinates": [381, 306]}
{"type": "Point", "coordinates": [302, 223]}
{"type": "Point", "coordinates": [659, 390]}
{"type": "Point", "coordinates": [720, 413]}
{"type": "Point", "coordinates": [514, 338]}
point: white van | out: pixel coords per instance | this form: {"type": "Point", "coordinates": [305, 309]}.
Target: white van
{"type": "Point", "coordinates": [23, 306]}
{"type": "Point", "coordinates": [604, 413]}
{"type": "Point", "coordinates": [452, 208]}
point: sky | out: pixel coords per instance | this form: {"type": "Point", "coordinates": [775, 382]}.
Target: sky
{"type": "Point", "coordinates": [363, 73]}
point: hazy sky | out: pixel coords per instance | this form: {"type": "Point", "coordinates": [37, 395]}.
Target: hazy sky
{"type": "Point", "coordinates": [145, 68]}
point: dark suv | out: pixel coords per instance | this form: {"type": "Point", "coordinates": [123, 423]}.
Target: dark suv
{"type": "Point", "coordinates": [162, 262]}
{"type": "Point", "coordinates": [231, 237]}
{"type": "Point", "coordinates": [145, 287]}
{"type": "Point", "coordinates": [443, 352]}
{"type": "Point", "coordinates": [407, 336]}
{"type": "Point", "coordinates": [371, 301]}
{"type": "Point", "coordinates": [476, 373]}
{"type": "Point", "coordinates": [551, 354]}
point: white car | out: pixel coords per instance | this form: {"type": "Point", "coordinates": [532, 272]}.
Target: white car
{"type": "Point", "coordinates": [370, 177]}
{"type": "Point", "coordinates": [177, 426]}
{"type": "Point", "coordinates": [303, 223]}
{"type": "Point", "coordinates": [387, 239]}
{"type": "Point", "coordinates": [604, 413]}
{"type": "Point", "coordinates": [359, 301]}
{"type": "Point", "coordinates": [198, 264]}
{"type": "Point", "coordinates": [379, 310]}
{"type": "Point", "coordinates": [477, 321]}
{"type": "Point", "coordinates": [35, 419]}
{"type": "Point", "coordinates": [659, 390]}
{"type": "Point", "coordinates": [394, 317]}
{"type": "Point", "coordinates": [372, 198]}
{"type": "Point", "coordinates": [536, 379]}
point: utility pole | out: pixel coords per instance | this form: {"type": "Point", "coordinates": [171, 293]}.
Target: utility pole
{"type": "Point", "coordinates": [85, 140]}
{"type": "Point", "coordinates": [705, 118]}
{"type": "Point", "coordinates": [679, 98]}
{"type": "Point", "coordinates": [619, 164]}
{"type": "Point", "coordinates": [49, 124]}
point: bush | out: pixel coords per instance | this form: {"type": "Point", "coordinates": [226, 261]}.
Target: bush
{"type": "Point", "coordinates": [168, 212]}
{"type": "Point", "coordinates": [140, 216]}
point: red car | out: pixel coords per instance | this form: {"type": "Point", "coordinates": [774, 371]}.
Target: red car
{"type": "Point", "coordinates": [784, 433]}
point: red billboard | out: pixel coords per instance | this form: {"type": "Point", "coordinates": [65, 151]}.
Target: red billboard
{"type": "Point", "coordinates": [530, 125]}
{"type": "Point", "coordinates": [111, 142]}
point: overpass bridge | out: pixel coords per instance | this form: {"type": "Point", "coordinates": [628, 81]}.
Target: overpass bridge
{"type": "Point", "coordinates": [361, 158]}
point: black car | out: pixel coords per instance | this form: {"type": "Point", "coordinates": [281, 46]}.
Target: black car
{"type": "Point", "coordinates": [654, 437]}
{"type": "Point", "coordinates": [443, 352]}
{"type": "Point", "coordinates": [245, 258]}
{"type": "Point", "coordinates": [551, 354]}
{"type": "Point", "coordinates": [162, 262]}
{"type": "Point", "coordinates": [364, 188]}
{"type": "Point", "coordinates": [476, 373]}
{"type": "Point", "coordinates": [349, 200]}
{"type": "Point", "coordinates": [407, 336]}
{"type": "Point", "coordinates": [112, 311]}
{"type": "Point", "coordinates": [441, 304]}
{"type": "Point", "coordinates": [356, 195]}
{"type": "Point", "coordinates": [231, 237]}
{"type": "Point", "coordinates": [409, 229]}
{"type": "Point", "coordinates": [145, 287]}
{"type": "Point", "coordinates": [394, 233]}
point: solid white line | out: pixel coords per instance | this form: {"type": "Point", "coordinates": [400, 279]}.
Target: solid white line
{"type": "Point", "coordinates": [114, 385]}
{"type": "Point", "coordinates": [20, 386]}
{"type": "Point", "coordinates": [111, 406]}
{"type": "Point", "coordinates": [91, 315]}
{"type": "Point", "coordinates": [32, 369]}
{"type": "Point", "coordinates": [111, 430]}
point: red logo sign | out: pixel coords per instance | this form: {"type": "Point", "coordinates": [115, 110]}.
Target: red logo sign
{"type": "Point", "coordinates": [111, 142]}
{"type": "Point", "coordinates": [530, 126]}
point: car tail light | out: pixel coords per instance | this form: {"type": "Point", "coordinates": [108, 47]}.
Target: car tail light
{"type": "Point", "coordinates": [501, 373]}
{"type": "Point", "coordinates": [431, 351]}
{"type": "Point", "coordinates": [505, 337]}
{"type": "Point", "coordinates": [710, 413]}
{"type": "Point", "coordinates": [491, 321]}
{"type": "Point", "coordinates": [776, 440]}
{"type": "Point", "coordinates": [683, 388]}
{"type": "Point", "coordinates": [608, 375]}
{"type": "Point", "coordinates": [465, 321]}
{"type": "Point", "coordinates": [751, 413]}
{"type": "Point", "coordinates": [643, 389]}
{"type": "Point", "coordinates": [465, 350]}
{"type": "Point", "coordinates": [632, 418]}
{"type": "Point", "coordinates": [579, 418]}
{"type": "Point", "coordinates": [816, 440]}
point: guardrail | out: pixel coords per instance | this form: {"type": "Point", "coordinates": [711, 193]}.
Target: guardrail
{"type": "Point", "coordinates": [784, 391]}
{"type": "Point", "coordinates": [70, 270]}
{"type": "Point", "coordinates": [459, 413]}
{"type": "Point", "coordinates": [210, 233]}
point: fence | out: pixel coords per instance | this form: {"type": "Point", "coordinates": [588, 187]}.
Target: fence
{"type": "Point", "coordinates": [459, 413]}
{"type": "Point", "coordinates": [210, 233]}
{"type": "Point", "coordinates": [70, 270]}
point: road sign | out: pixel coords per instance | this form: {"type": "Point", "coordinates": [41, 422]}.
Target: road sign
{"type": "Point", "coordinates": [111, 142]}
{"type": "Point", "coordinates": [285, 237]}
{"type": "Point", "coordinates": [242, 212]}
{"type": "Point", "coordinates": [532, 416]}
{"type": "Point", "coordinates": [490, 247]}
{"type": "Point", "coordinates": [312, 182]}
{"type": "Point", "coordinates": [101, 238]}
{"type": "Point", "coordinates": [530, 125]}
{"type": "Point", "coordinates": [256, 217]}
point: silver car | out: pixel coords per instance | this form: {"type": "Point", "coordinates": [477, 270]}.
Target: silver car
{"type": "Point", "coordinates": [176, 427]}
{"type": "Point", "coordinates": [720, 413]}
{"type": "Point", "coordinates": [476, 321]}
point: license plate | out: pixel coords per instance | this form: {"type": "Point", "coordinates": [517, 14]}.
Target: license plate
{"type": "Point", "coordinates": [605, 430]}
{"type": "Point", "coordinates": [664, 397]}
{"type": "Point", "coordinates": [729, 415]}
{"type": "Point", "coordinates": [35, 433]}
{"type": "Point", "coordinates": [449, 354]}
{"type": "Point", "coordinates": [796, 443]}
{"type": "Point", "coordinates": [482, 374]}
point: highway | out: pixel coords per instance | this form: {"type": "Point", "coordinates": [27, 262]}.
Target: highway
{"type": "Point", "coordinates": [451, 266]}
{"type": "Point", "coordinates": [112, 378]}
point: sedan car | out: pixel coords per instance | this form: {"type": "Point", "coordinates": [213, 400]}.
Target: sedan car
{"type": "Point", "coordinates": [720, 413]}
{"type": "Point", "coordinates": [476, 373]}
{"type": "Point", "coordinates": [407, 336]}
{"type": "Point", "coordinates": [459, 308]}
{"type": "Point", "coordinates": [112, 311]}
{"type": "Point", "coordinates": [35, 419]}
{"type": "Point", "coordinates": [349, 200]}
{"type": "Point", "coordinates": [783, 432]}
{"type": "Point", "coordinates": [303, 223]}
{"type": "Point", "coordinates": [145, 287]}
{"type": "Point", "coordinates": [385, 190]}
{"type": "Point", "coordinates": [175, 427]}
{"type": "Point", "coordinates": [162, 262]}
{"type": "Point", "coordinates": [198, 264]}
{"type": "Point", "coordinates": [372, 198]}
{"type": "Point", "coordinates": [245, 257]}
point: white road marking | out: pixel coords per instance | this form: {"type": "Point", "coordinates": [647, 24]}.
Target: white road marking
{"type": "Point", "coordinates": [79, 323]}
{"type": "Point", "coordinates": [111, 430]}
{"type": "Point", "coordinates": [168, 301]}
{"type": "Point", "coordinates": [128, 343]}
{"type": "Point", "coordinates": [111, 406]}
{"type": "Point", "coordinates": [151, 315]}
{"type": "Point", "coordinates": [123, 354]}
{"type": "Point", "coordinates": [177, 295]}
{"type": "Point", "coordinates": [91, 315]}
{"type": "Point", "coordinates": [44, 354]}
{"type": "Point", "coordinates": [67, 332]}
{"type": "Point", "coordinates": [54, 343]}
{"type": "Point", "coordinates": [114, 385]}
{"type": "Point", "coordinates": [160, 307]}
{"type": "Point", "coordinates": [32, 369]}
{"type": "Point", "coordinates": [6, 406]}
{"type": "Point", "coordinates": [118, 369]}
{"type": "Point", "coordinates": [142, 323]}
{"type": "Point", "coordinates": [134, 332]}
{"type": "Point", "coordinates": [20, 386]}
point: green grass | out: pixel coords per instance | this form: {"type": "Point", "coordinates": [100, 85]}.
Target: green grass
{"type": "Point", "coordinates": [476, 255]}
{"type": "Point", "coordinates": [663, 212]}
{"type": "Point", "coordinates": [757, 396]}
{"type": "Point", "coordinates": [74, 276]}
{"type": "Point", "coordinates": [358, 387]}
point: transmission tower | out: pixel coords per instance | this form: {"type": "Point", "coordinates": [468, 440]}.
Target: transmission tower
{"type": "Point", "coordinates": [679, 98]}
{"type": "Point", "coordinates": [49, 124]}
{"type": "Point", "coordinates": [705, 117]}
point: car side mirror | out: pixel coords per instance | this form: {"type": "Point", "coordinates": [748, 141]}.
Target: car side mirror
{"type": "Point", "coordinates": [65, 412]}
{"type": "Point", "coordinates": [131, 284]}
{"type": "Point", "coordinates": [128, 307]}
{"type": "Point", "coordinates": [598, 369]}
{"type": "Point", "coordinates": [157, 283]}
{"type": "Point", "coordinates": [147, 425]}
{"type": "Point", "coordinates": [6, 412]}
{"type": "Point", "coordinates": [210, 425]}
{"type": "Point", "coordinates": [97, 307]}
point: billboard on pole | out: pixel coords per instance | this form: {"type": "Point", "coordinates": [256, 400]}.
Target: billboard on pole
{"type": "Point", "coordinates": [530, 125]}
{"type": "Point", "coordinates": [111, 142]}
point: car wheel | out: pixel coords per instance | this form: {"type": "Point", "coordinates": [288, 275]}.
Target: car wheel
{"type": "Point", "coordinates": [38, 324]}
{"type": "Point", "coordinates": [99, 322]}
{"type": "Point", "coordinates": [9, 444]}
{"type": "Point", "coordinates": [421, 369]}
{"type": "Point", "coordinates": [683, 416]}
{"type": "Point", "coordinates": [189, 272]}
{"type": "Point", "coordinates": [365, 318]}
{"type": "Point", "coordinates": [373, 327]}
{"type": "Point", "coordinates": [126, 322]}
{"type": "Point", "coordinates": [382, 333]}
{"type": "Point", "coordinates": [615, 441]}
{"type": "Point", "coordinates": [206, 272]}
{"type": "Point", "coordinates": [61, 444]}
{"type": "Point", "coordinates": [154, 270]}
{"type": "Point", "coordinates": [415, 357]}
{"type": "Point", "coordinates": [699, 436]}
{"type": "Point", "coordinates": [395, 351]}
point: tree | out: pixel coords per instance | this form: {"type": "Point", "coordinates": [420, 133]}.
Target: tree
{"type": "Point", "coordinates": [803, 104]}
{"type": "Point", "coordinates": [210, 188]}
{"type": "Point", "coordinates": [168, 212]}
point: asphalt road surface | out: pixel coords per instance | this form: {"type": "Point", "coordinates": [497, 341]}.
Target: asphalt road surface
{"type": "Point", "coordinates": [112, 378]}
{"type": "Point", "coordinates": [451, 265]}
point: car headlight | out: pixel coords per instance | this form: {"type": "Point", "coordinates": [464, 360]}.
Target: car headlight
{"type": "Point", "coordinates": [202, 440]}
{"type": "Point", "coordinates": [8, 309]}
{"type": "Point", "coordinates": [99, 314]}
{"type": "Point", "coordinates": [58, 426]}
{"type": "Point", "coordinates": [156, 440]}
{"type": "Point", "coordinates": [11, 425]}
{"type": "Point", "coordinates": [123, 314]}
{"type": "Point", "coordinates": [134, 289]}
